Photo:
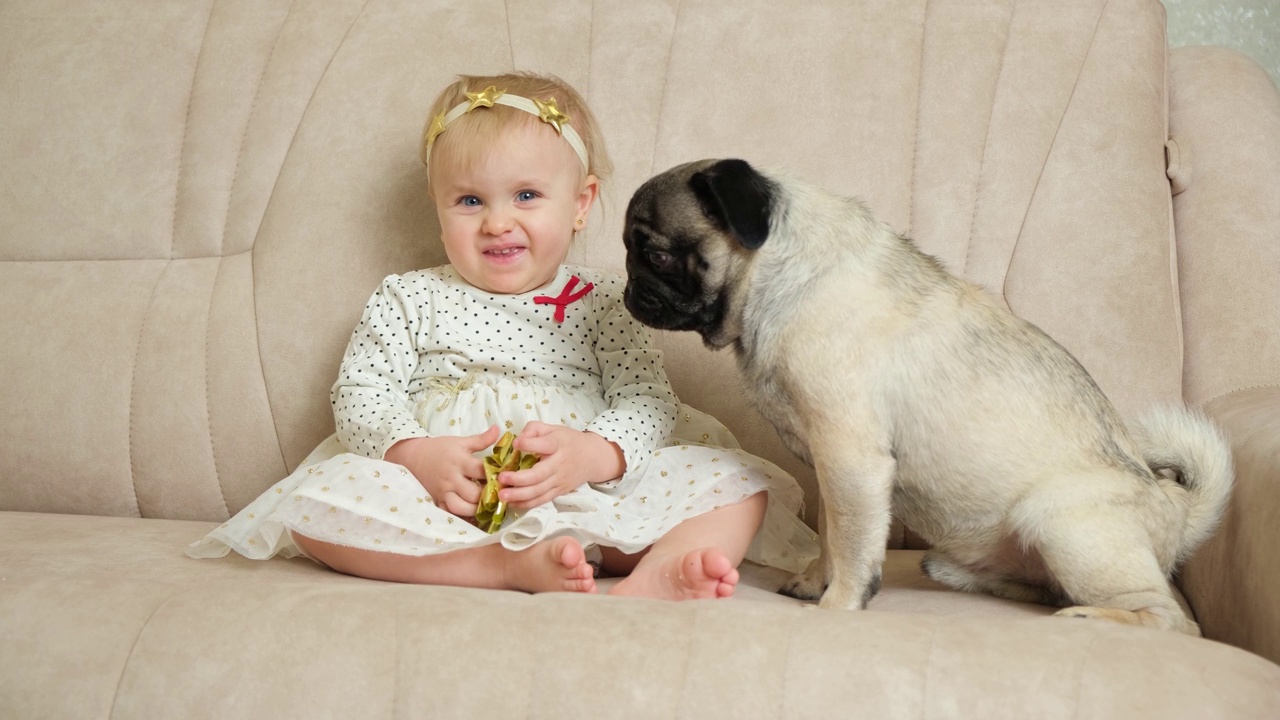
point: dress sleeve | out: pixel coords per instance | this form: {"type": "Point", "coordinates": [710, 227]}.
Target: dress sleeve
{"type": "Point", "coordinates": [642, 406]}
{"type": "Point", "coordinates": [370, 399]}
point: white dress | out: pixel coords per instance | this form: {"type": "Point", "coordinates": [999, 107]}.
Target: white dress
{"type": "Point", "coordinates": [434, 356]}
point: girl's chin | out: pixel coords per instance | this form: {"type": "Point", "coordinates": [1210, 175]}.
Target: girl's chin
{"type": "Point", "coordinates": [513, 281]}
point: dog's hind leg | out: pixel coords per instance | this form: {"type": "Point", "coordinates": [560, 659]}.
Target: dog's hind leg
{"type": "Point", "coordinates": [944, 569]}
{"type": "Point", "coordinates": [1104, 562]}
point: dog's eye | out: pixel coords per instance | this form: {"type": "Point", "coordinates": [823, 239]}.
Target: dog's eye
{"type": "Point", "coordinates": [660, 260]}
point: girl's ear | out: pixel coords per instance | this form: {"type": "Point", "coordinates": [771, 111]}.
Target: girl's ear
{"type": "Point", "coordinates": [587, 197]}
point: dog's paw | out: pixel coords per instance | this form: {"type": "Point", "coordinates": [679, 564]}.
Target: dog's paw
{"type": "Point", "coordinates": [805, 586]}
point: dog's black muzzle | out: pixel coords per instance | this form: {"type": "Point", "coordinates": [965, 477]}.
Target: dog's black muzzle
{"type": "Point", "coordinates": [651, 306]}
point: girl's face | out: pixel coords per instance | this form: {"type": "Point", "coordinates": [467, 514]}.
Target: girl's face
{"type": "Point", "coordinates": [508, 217]}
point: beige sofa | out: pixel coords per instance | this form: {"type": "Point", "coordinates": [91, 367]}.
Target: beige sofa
{"type": "Point", "coordinates": [198, 197]}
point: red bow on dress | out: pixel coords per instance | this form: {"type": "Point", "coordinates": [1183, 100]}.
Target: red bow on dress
{"type": "Point", "coordinates": [566, 296]}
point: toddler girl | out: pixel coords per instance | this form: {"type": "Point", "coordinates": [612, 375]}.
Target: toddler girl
{"type": "Point", "coordinates": [508, 338]}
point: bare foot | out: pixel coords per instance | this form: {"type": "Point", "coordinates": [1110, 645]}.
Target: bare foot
{"type": "Point", "coordinates": [699, 574]}
{"type": "Point", "coordinates": [559, 565]}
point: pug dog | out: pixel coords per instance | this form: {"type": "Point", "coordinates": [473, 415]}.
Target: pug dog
{"type": "Point", "coordinates": [914, 393]}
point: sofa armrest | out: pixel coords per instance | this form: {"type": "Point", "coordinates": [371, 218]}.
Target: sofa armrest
{"type": "Point", "coordinates": [1233, 581]}
{"type": "Point", "coordinates": [1224, 164]}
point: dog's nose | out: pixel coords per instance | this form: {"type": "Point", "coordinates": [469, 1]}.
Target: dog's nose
{"type": "Point", "coordinates": [638, 301]}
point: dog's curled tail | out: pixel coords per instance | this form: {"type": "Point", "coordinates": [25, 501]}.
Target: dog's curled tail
{"type": "Point", "coordinates": [1195, 450]}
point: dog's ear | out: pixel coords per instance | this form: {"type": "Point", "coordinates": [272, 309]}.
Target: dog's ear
{"type": "Point", "coordinates": [737, 198]}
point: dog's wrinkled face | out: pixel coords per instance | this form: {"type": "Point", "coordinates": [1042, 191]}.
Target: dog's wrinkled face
{"type": "Point", "coordinates": [687, 230]}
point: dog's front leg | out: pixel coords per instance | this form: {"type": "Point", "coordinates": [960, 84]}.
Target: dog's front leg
{"type": "Point", "coordinates": [857, 490]}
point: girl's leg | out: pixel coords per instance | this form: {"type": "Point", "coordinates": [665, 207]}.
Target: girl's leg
{"type": "Point", "coordinates": [697, 559]}
{"type": "Point", "coordinates": [558, 564]}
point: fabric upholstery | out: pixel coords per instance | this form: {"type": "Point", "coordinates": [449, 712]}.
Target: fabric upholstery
{"type": "Point", "coordinates": [198, 196]}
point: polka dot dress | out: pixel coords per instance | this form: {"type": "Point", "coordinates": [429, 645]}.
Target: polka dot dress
{"type": "Point", "coordinates": [433, 356]}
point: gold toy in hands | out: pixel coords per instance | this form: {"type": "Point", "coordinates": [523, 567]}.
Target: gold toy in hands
{"type": "Point", "coordinates": [490, 512]}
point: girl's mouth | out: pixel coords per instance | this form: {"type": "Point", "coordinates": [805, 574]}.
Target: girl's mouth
{"type": "Point", "coordinates": [505, 254]}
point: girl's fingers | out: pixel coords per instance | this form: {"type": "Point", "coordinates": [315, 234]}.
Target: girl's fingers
{"type": "Point", "coordinates": [542, 499]}
{"type": "Point", "coordinates": [456, 505]}
{"type": "Point", "coordinates": [524, 495]}
{"type": "Point", "coordinates": [537, 444]}
{"type": "Point", "coordinates": [484, 439]}
{"type": "Point", "coordinates": [468, 491]}
{"type": "Point", "coordinates": [532, 476]}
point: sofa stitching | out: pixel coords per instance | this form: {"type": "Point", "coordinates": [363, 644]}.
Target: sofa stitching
{"type": "Point", "coordinates": [662, 96]}
{"type": "Point", "coordinates": [208, 402]}
{"type": "Point", "coordinates": [1174, 259]}
{"type": "Point", "coordinates": [271, 196]}
{"type": "Point", "coordinates": [124, 668]}
{"type": "Point", "coordinates": [986, 139]}
{"type": "Point", "coordinates": [915, 140]}
{"type": "Point", "coordinates": [511, 41]}
{"type": "Point", "coordinates": [186, 125]}
{"type": "Point", "coordinates": [1026, 211]}
{"type": "Point", "coordinates": [244, 135]}
{"type": "Point", "coordinates": [133, 385]}
{"type": "Point", "coordinates": [222, 247]}
{"type": "Point", "coordinates": [1243, 388]}
{"type": "Point", "coordinates": [222, 250]}
{"type": "Point", "coordinates": [173, 239]}
{"type": "Point", "coordinates": [1084, 665]}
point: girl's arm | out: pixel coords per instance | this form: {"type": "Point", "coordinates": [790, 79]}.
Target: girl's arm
{"type": "Point", "coordinates": [371, 396]}
{"type": "Point", "coordinates": [642, 406]}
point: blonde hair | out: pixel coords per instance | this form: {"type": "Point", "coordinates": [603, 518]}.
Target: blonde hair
{"type": "Point", "coordinates": [472, 134]}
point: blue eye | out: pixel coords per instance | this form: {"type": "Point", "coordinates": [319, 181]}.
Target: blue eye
{"type": "Point", "coordinates": [526, 195]}
{"type": "Point", "coordinates": [469, 201]}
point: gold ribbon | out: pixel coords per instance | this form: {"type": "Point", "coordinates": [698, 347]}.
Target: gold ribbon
{"type": "Point", "coordinates": [491, 511]}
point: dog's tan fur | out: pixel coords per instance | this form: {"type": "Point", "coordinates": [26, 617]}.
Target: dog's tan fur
{"type": "Point", "coordinates": [912, 392]}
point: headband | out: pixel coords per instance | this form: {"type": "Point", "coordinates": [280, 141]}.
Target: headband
{"type": "Point", "coordinates": [490, 96]}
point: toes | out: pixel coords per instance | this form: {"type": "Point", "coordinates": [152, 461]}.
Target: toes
{"type": "Point", "coordinates": [570, 554]}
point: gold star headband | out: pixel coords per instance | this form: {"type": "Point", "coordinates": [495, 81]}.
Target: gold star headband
{"type": "Point", "coordinates": [490, 96]}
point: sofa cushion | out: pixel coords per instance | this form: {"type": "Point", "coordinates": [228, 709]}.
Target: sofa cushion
{"type": "Point", "coordinates": [117, 622]}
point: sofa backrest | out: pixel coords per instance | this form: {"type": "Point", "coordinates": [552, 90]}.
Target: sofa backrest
{"type": "Point", "coordinates": [200, 196]}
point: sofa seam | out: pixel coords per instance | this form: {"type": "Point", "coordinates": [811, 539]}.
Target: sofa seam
{"type": "Point", "coordinates": [186, 126]}
{"type": "Point", "coordinates": [783, 704]}
{"type": "Point", "coordinates": [124, 668]}
{"type": "Point", "coordinates": [1084, 665]}
{"type": "Point", "coordinates": [1175, 258]}
{"type": "Point", "coordinates": [1066, 108]}
{"type": "Point", "coordinates": [275, 424]}
{"type": "Point", "coordinates": [666, 78]}
{"type": "Point", "coordinates": [208, 397]}
{"type": "Point", "coordinates": [133, 383]}
{"type": "Point", "coordinates": [1242, 388]}
{"type": "Point", "coordinates": [915, 140]}
{"type": "Point", "coordinates": [248, 122]}
{"type": "Point", "coordinates": [173, 241]}
{"type": "Point", "coordinates": [511, 41]}
{"type": "Point", "coordinates": [986, 138]}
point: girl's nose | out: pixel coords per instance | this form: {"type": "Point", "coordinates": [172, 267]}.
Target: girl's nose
{"type": "Point", "coordinates": [497, 221]}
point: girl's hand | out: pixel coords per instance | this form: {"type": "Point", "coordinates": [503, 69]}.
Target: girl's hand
{"type": "Point", "coordinates": [446, 467]}
{"type": "Point", "coordinates": [568, 458]}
